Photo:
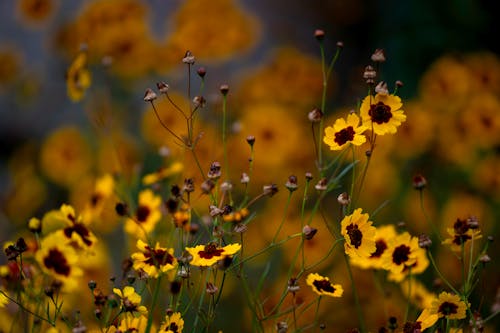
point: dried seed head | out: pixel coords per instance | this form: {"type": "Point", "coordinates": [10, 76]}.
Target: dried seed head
{"type": "Point", "coordinates": [368, 153]}
{"type": "Point", "coordinates": [291, 184]}
{"type": "Point", "coordinates": [424, 241]}
{"type": "Point", "coordinates": [399, 84]}
{"type": "Point", "coordinates": [293, 285]}
{"type": "Point", "coordinates": [226, 186]}
{"type": "Point", "coordinates": [149, 95]}
{"type": "Point", "coordinates": [419, 182]}
{"type": "Point", "coordinates": [188, 185]}
{"type": "Point", "coordinates": [369, 74]}
{"type": "Point", "coordinates": [92, 285]}
{"type": "Point", "coordinates": [164, 151]}
{"type": "Point", "coordinates": [199, 101]}
{"type": "Point", "coordinates": [240, 228]}
{"type": "Point", "coordinates": [251, 140]}
{"type": "Point", "coordinates": [309, 232]}
{"type": "Point", "coordinates": [215, 170]}
{"type": "Point", "coordinates": [281, 327]}
{"type": "Point", "coordinates": [378, 56]}
{"type": "Point", "coordinates": [485, 258]}
{"type": "Point", "coordinates": [188, 58]}
{"type": "Point", "coordinates": [182, 272]}
{"type": "Point", "coordinates": [207, 186]}
{"type": "Point", "coordinates": [224, 89]}
{"type": "Point", "coordinates": [473, 222]}
{"type": "Point", "coordinates": [121, 209]}
{"type": "Point", "coordinates": [340, 44]}
{"type": "Point", "coordinates": [162, 87]}
{"type": "Point", "coordinates": [315, 115]}
{"type": "Point", "coordinates": [381, 88]}
{"type": "Point", "coordinates": [130, 279]}
{"type": "Point", "coordinates": [270, 189]}
{"type": "Point", "coordinates": [322, 184]}
{"type": "Point", "coordinates": [227, 209]}
{"type": "Point", "coordinates": [244, 179]}
{"type": "Point", "coordinates": [343, 199]}
{"type": "Point", "coordinates": [308, 176]}
{"type": "Point", "coordinates": [319, 34]}
{"type": "Point", "coordinates": [201, 72]}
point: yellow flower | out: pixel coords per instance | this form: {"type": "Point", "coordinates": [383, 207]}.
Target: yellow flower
{"type": "Point", "coordinates": [35, 11]}
{"type": "Point", "coordinates": [402, 253]}
{"type": "Point", "coordinates": [449, 306]}
{"type": "Point", "coordinates": [103, 191]}
{"type": "Point", "coordinates": [162, 173]}
{"type": "Point", "coordinates": [59, 259]}
{"type": "Point", "coordinates": [419, 295]}
{"type": "Point", "coordinates": [344, 133]}
{"type": "Point", "coordinates": [146, 216]}
{"type": "Point", "coordinates": [359, 234]}
{"type": "Point", "coordinates": [78, 77]}
{"type": "Point", "coordinates": [131, 323]}
{"type": "Point", "coordinates": [427, 319]}
{"type": "Point", "coordinates": [10, 65]}
{"type": "Point", "coordinates": [322, 286]}
{"type": "Point", "coordinates": [207, 255]}
{"type": "Point", "coordinates": [382, 236]}
{"type": "Point", "coordinates": [155, 260]}
{"type": "Point", "coordinates": [3, 299]}
{"type": "Point", "coordinates": [460, 234]}
{"type": "Point", "coordinates": [130, 300]}
{"type": "Point", "coordinates": [173, 324]}
{"type": "Point", "coordinates": [382, 113]}
{"type": "Point", "coordinates": [419, 266]}
{"type": "Point", "coordinates": [65, 156]}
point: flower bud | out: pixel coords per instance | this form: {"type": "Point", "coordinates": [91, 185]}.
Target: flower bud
{"type": "Point", "coordinates": [315, 115]}
{"type": "Point", "coordinates": [319, 35]}
{"type": "Point", "coordinates": [378, 56]}
{"type": "Point", "coordinates": [149, 95]}
{"type": "Point", "coordinates": [188, 58]}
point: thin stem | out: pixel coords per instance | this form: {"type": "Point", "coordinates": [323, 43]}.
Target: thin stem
{"type": "Point", "coordinates": [164, 125]}
{"type": "Point", "coordinates": [156, 292]}
{"type": "Point", "coordinates": [284, 217]}
{"type": "Point", "coordinates": [355, 295]}
{"type": "Point", "coordinates": [224, 139]}
{"type": "Point", "coordinates": [316, 312]}
{"type": "Point", "coordinates": [431, 258]}
{"type": "Point", "coordinates": [434, 229]}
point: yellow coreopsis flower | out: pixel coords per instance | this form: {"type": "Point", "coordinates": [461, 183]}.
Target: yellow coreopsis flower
{"type": "Point", "coordinates": [146, 216]}
{"type": "Point", "coordinates": [382, 236]}
{"type": "Point", "coordinates": [402, 253]}
{"type": "Point", "coordinates": [155, 260]}
{"type": "Point", "coordinates": [173, 324]}
{"type": "Point", "coordinates": [382, 113]}
{"type": "Point", "coordinates": [460, 234]}
{"type": "Point", "coordinates": [321, 285]}
{"type": "Point", "coordinates": [449, 306]}
{"type": "Point", "coordinates": [78, 78]}
{"type": "Point", "coordinates": [359, 234]}
{"type": "Point", "coordinates": [130, 300]}
{"type": "Point", "coordinates": [343, 133]}
{"type": "Point", "coordinates": [162, 173]}
{"type": "Point", "coordinates": [3, 299]}
{"type": "Point", "coordinates": [207, 255]}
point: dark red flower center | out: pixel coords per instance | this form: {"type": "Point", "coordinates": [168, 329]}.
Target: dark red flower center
{"type": "Point", "coordinates": [324, 285]}
{"type": "Point", "coordinates": [143, 213]}
{"type": "Point", "coordinates": [210, 251]}
{"type": "Point", "coordinates": [173, 327]}
{"type": "Point", "coordinates": [400, 254]}
{"type": "Point", "coordinates": [448, 308]}
{"type": "Point", "coordinates": [355, 235]}
{"type": "Point", "coordinates": [345, 135]}
{"type": "Point", "coordinates": [460, 227]}
{"type": "Point", "coordinates": [158, 257]}
{"type": "Point", "coordinates": [81, 230]}
{"type": "Point", "coordinates": [56, 261]}
{"type": "Point", "coordinates": [380, 247]}
{"type": "Point", "coordinates": [380, 113]}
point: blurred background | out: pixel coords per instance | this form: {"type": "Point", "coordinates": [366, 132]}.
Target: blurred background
{"type": "Point", "coordinates": [53, 148]}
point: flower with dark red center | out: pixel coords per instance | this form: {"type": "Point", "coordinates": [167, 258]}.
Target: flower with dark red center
{"type": "Point", "coordinates": [382, 113]}
{"type": "Point", "coordinates": [359, 235]}
{"type": "Point", "coordinates": [343, 133]}
{"type": "Point", "coordinates": [154, 261]}
{"type": "Point", "coordinates": [146, 216]}
{"type": "Point", "coordinates": [449, 306]}
{"type": "Point", "coordinates": [207, 255]}
{"type": "Point", "coordinates": [173, 323]}
{"type": "Point", "coordinates": [460, 234]}
{"type": "Point", "coordinates": [322, 286]}
{"type": "Point", "coordinates": [401, 253]}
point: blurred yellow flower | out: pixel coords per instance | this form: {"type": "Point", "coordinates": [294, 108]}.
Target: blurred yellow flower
{"type": "Point", "coordinates": [3, 299]}
{"type": "Point", "coordinates": [36, 11]}
{"type": "Point", "coordinates": [10, 65]}
{"type": "Point", "coordinates": [173, 323]}
{"type": "Point", "coordinates": [225, 30]}
{"type": "Point", "coordinates": [344, 133]}
{"type": "Point", "coordinates": [460, 234]}
{"type": "Point", "coordinates": [65, 156]}
{"type": "Point", "coordinates": [321, 285]}
{"type": "Point", "coordinates": [427, 319]}
{"type": "Point", "coordinates": [130, 300]}
{"type": "Point", "coordinates": [162, 173]}
{"type": "Point", "coordinates": [78, 77]}
{"type": "Point", "coordinates": [382, 236]}
{"type": "Point", "coordinates": [382, 113]}
{"type": "Point", "coordinates": [359, 234]}
{"type": "Point", "coordinates": [147, 215]}
{"type": "Point", "coordinates": [419, 266]}
{"type": "Point", "coordinates": [207, 255]}
{"type": "Point", "coordinates": [419, 295]}
{"type": "Point", "coordinates": [402, 253]}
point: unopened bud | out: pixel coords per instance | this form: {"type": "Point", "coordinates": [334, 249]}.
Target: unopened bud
{"type": "Point", "coordinates": [424, 241]}
{"type": "Point", "coordinates": [270, 189]}
{"type": "Point", "coordinates": [215, 170]}
{"type": "Point", "coordinates": [319, 34]}
{"type": "Point", "coordinates": [308, 176]}
{"type": "Point", "coordinates": [309, 232]}
{"type": "Point", "coordinates": [188, 185]}
{"type": "Point", "coordinates": [322, 184]}
{"type": "Point", "coordinates": [240, 228]}
{"type": "Point", "coordinates": [293, 286]}
{"type": "Point", "coordinates": [485, 258]}
{"type": "Point", "coordinates": [369, 74]}
{"type": "Point", "coordinates": [472, 222]}
{"type": "Point", "coordinates": [35, 225]}
{"type": "Point", "coordinates": [340, 44]}
{"type": "Point", "coordinates": [315, 115]}
{"type": "Point", "coordinates": [343, 199]}
{"type": "Point", "coordinates": [419, 182]}
{"type": "Point", "coordinates": [251, 140]}
{"type": "Point", "coordinates": [188, 58]}
{"type": "Point", "coordinates": [224, 89]}
{"type": "Point", "coordinates": [162, 87]}
{"type": "Point", "coordinates": [381, 88]}
{"type": "Point", "coordinates": [149, 95]}
{"type": "Point", "coordinates": [378, 56]}
{"type": "Point", "coordinates": [399, 84]}
{"type": "Point", "coordinates": [244, 179]}
{"type": "Point", "coordinates": [121, 209]}
{"type": "Point", "coordinates": [281, 327]}
{"type": "Point", "coordinates": [207, 186]}
{"type": "Point", "coordinates": [201, 72]}
{"type": "Point", "coordinates": [199, 101]}
{"type": "Point", "coordinates": [226, 186]}
{"type": "Point", "coordinates": [291, 184]}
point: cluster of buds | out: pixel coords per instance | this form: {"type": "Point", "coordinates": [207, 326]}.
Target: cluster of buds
{"type": "Point", "coordinates": [369, 75]}
{"type": "Point", "coordinates": [15, 250]}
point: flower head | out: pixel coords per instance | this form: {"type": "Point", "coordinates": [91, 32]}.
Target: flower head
{"type": "Point", "coordinates": [155, 260]}
{"type": "Point", "coordinates": [78, 77]}
{"type": "Point", "coordinates": [173, 324]}
{"type": "Point", "coordinates": [359, 234]}
{"type": "Point", "coordinates": [449, 306]}
{"type": "Point", "coordinates": [207, 255]}
{"type": "Point", "coordinates": [402, 253]}
{"type": "Point", "coordinates": [382, 236]}
{"type": "Point", "coordinates": [146, 215]}
{"type": "Point", "coordinates": [130, 300]}
{"type": "Point", "coordinates": [460, 234]}
{"type": "Point", "coordinates": [322, 286]}
{"type": "Point", "coordinates": [343, 133]}
{"type": "Point", "coordinates": [382, 113]}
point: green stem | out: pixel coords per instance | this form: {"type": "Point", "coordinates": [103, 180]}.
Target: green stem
{"type": "Point", "coordinates": [156, 292]}
{"type": "Point", "coordinates": [431, 258]}
{"type": "Point", "coordinates": [224, 140]}
{"type": "Point", "coordinates": [355, 295]}
{"type": "Point", "coordinates": [284, 217]}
